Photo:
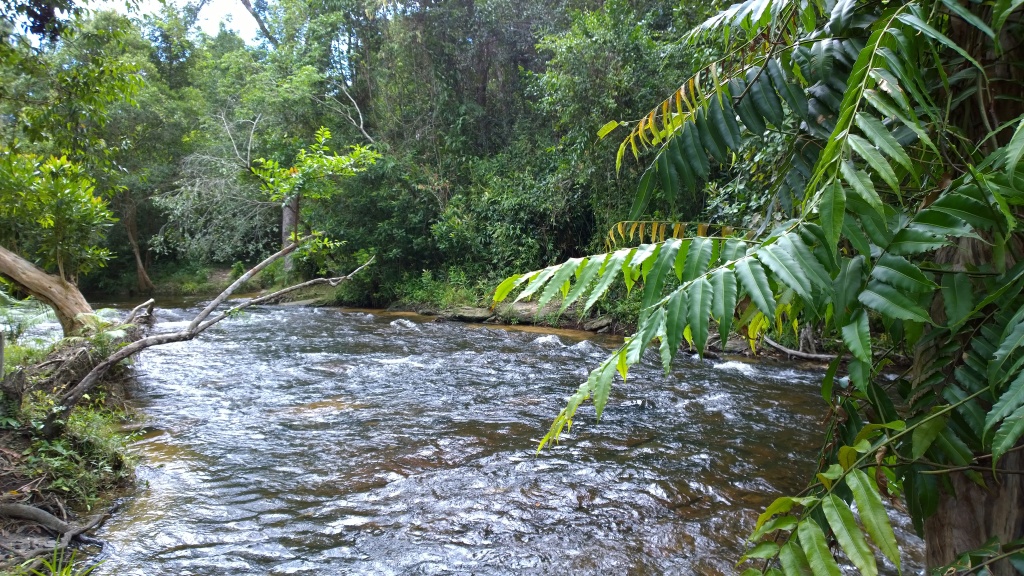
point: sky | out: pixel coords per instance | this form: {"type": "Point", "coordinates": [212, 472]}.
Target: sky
{"type": "Point", "coordinates": [231, 12]}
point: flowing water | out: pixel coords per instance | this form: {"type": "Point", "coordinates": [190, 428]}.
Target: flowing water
{"type": "Point", "coordinates": [300, 441]}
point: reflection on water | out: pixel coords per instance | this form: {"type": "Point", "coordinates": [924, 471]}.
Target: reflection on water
{"type": "Point", "coordinates": [297, 441]}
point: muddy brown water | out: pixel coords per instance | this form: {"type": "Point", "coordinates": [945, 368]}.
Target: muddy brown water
{"type": "Point", "coordinates": [302, 441]}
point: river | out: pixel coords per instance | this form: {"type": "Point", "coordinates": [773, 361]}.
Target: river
{"type": "Point", "coordinates": [323, 441]}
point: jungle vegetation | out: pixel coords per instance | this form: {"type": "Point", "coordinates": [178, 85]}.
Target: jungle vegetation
{"type": "Point", "coordinates": [851, 169]}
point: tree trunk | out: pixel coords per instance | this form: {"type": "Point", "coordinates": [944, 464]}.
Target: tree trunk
{"type": "Point", "coordinates": [289, 227]}
{"type": "Point", "coordinates": [972, 515]}
{"type": "Point", "coordinates": [145, 284]}
{"type": "Point", "coordinates": [65, 299]}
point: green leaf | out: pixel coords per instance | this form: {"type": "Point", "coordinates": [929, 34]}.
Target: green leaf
{"type": "Point", "coordinates": [911, 240]}
{"type": "Point", "coordinates": [699, 296]}
{"type": "Point", "coordinates": [899, 272]}
{"type": "Point", "coordinates": [611, 268]}
{"type": "Point", "coordinates": [883, 140]}
{"type": "Point", "coordinates": [849, 535]}
{"type": "Point", "coordinates": [1008, 403]}
{"type": "Point", "coordinates": [675, 321]}
{"type": "Point", "coordinates": [537, 281]}
{"type": "Point", "coordinates": [875, 159]}
{"type": "Point", "coordinates": [1012, 339]}
{"type": "Point", "coordinates": [659, 272]}
{"type": "Point", "coordinates": [955, 7]}
{"type": "Point", "coordinates": [560, 277]}
{"type": "Point", "coordinates": [745, 108]}
{"type": "Point", "coordinates": [925, 434]}
{"type": "Point", "coordinates": [872, 515]}
{"type": "Point", "coordinates": [958, 296]}
{"type": "Point", "coordinates": [785, 269]}
{"type": "Point", "coordinates": [892, 303]}
{"type": "Point", "coordinates": [831, 209]}
{"type": "Point", "coordinates": [846, 287]}
{"type": "Point", "coordinates": [793, 560]}
{"type": "Point", "coordinates": [697, 258]}
{"type": "Point", "coordinates": [792, 93]}
{"type": "Point", "coordinates": [723, 285]}
{"type": "Point", "coordinates": [1002, 11]}
{"type": "Point", "coordinates": [1008, 434]}
{"type": "Point", "coordinates": [675, 156]}
{"type": "Point", "coordinates": [775, 524]}
{"type": "Point", "coordinates": [503, 289]}
{"type": "Point", "coordinates": [707, 137]}
{"type": "Point", "coordinates": [857, 336]}
{"type": "Point", "coordinates": [587, 274]}
{"type": "Point", "coordinates": [600, 384]}
{"type": "Point", "coordinates": [914, 21]}
{"type": "Point", "coordinates": [693, 151]}
{"type": "Point", "coordinates": [612, 125]}
{"type": "Point", "coordinates": [755, 282]}
{"type": "Point", "coordinates": [763, 550]}
{"type": "Point", "coordinates": [643, 192]}
{"type": "Point", "coordinates": [971, 210]}
{"type": "Point", "coordinates": [818, 555]}
{"type": "Point", "coordinates": [1015, 148]}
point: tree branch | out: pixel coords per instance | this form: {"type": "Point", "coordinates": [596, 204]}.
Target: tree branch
{"type": "Point", "coordinates": [54, 422]}
{"type": "Point", "coordinates": [259, 21]}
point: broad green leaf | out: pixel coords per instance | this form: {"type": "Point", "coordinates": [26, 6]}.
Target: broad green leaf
{"type": "Point", "coordinates": [855, 235]}
{"type": "Point", "coordinates": [697, 258]}
{"type": "Point", "coordinates": [763, 550]}
{"type": "Point", "coordinates": [536, 282]}
{"type": "Point", "coordinates": [911, 240]}
{"type": "Point", "coordinates": [644, 191]}
{"type": "Point", "coordinates": [795, 246]}
{"type": "Point", "coordinates": [846, 287]}
{"type": "Point", "coordinates": [793, 560]}
{"type": "Point", "coordinates": [857, 336]}
{"type": "Point", "coordinates": [751, 275]}
{"type": "Point", "coordinates": [1008, 434]}
{"type": "Point", "coordinates": [693, 151]}
{"type": "Point", "coordinates": [831, 209]}
{"type": "Point", "coordinates": [611, 268]}
{"type": "Point", "coordinates": [612, 125]}
{"type": "Point", "coordinates": [791, 92]}
{"type": "Point", "coordinates": [816, 548]}
{"type": "Point", "coordinates": [899, 272]}
{"type": "Point", "coordinates": [869, 431]}
{"type": "Point", "coordinates": [777, 523]}
{"type": "Point", "coordinates": [785, 269]}
{"type": "Point", "coordinates": [849, 535]}
{"type": "Point", "coordinates": [1002, 11]}
{"type": "Point", "coordinates": [1011, 341]}
{"type": "Point", "coordinates": [924, 435]}
{"type": "Point", "coordinates": [892, 303]}
{"type": "Point", "coordinates": [682, 168]}
{"type": "Point", "coordinates": [503, 289]}
{"type": "Point", "coordinates": [781, 505]}
{"type": "Point", "coordinates": [723, 285]}
{"type": "Point", "coordinates": [958, 296]}
{"type": "Point", "coordinates": [1015, 148]}
{"type": "Point", "coordinates": [600, 383]}
{"type": "Point", "coordinates": [1008, 403]}
{"type": "Point", "coordinates": [872, 515]}
{"type": "Point", "coordinates": [969, 209]}
{"type": "Point", "coordinates": [745, 107]}
{"type": "Point", "coordinates": [955, 7]}
{"type": "Point", "coordinates": [699, 297]}
{"type": "Point", "coordinates": [587, 273]}
{"type": "Point", "coordinates": [676, 319]}
{"type": "Point", "coordinates": [875, 159]}
{"type": "Point", "coordinates": [883, 140]}
{"type": "Point", "coordinates": [560, 277]}
{"type": "Point", "coordinates": [659, 272]}
{"type": "Point", "coordinates": [914, 21]}
{"type": "Point", "coordinates": [861, 184]}
{"type": "Point", "coordinates": [707, 137]}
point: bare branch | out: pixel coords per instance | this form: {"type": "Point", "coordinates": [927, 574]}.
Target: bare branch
{"type": "Point", "coordinates": [71, 398]}
{"type": "Point", "coordinates": [259, 21]}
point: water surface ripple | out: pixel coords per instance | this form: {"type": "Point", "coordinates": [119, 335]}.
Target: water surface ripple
{"type": "Point", "coordinates": [299, 441]}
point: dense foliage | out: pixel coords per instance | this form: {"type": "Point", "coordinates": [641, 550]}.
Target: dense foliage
{"type": "Point", "coordinates": [894, 179]}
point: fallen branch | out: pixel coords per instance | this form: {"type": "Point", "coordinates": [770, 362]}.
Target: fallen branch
{"type": "Point", "coordinates": [799, 354]}
{"type": "Point", "coordinates": [54, 422]}
{"type": "Point", "coordinates": [37, 515]}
